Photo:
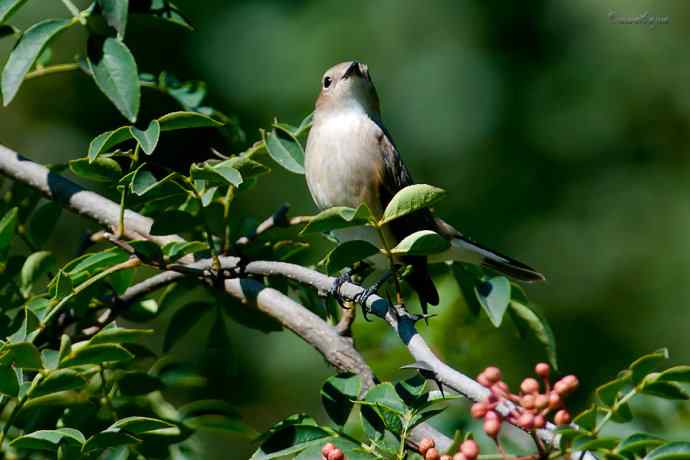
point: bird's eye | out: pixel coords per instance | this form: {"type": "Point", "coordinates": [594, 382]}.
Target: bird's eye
{"type": "Point", "coordinates": [327, 82]}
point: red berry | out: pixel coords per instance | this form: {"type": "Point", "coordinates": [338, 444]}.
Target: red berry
{"type": "Point", "coordinates": [432, 454]}
{"type": "Point", "coordinates": [492, 415]}
{"type": "Point", "coordinates": [541, 401]}
{"type": "Point", "coordinates": [470, 449]}
{"type": "Point", "coordinates": [446, 457]}
{"type": "Point", "coordinates": [478, 410]}
{"type": "Point", "coordinates": [529, 385]}
{"type": "Point", "coordinates": [499, 390]}
{"type": "Point", "coordinates": [554, 400]}
{"type": "Point", "coordinates": [459, 456]}
{"type": "Point", "coordinates": [571, 381]}
{"type": "Point", "coordinates": [527, 402]}
{"type": "Point", "coordinates": [561, 388]}
{"type": "Point", "coordinates": [526, 421]}
{"type": "Point", "coordinates": [542, 370]}
{"type": "Point", "coordinates": [539, 421]}
{"type": "Point", "coordinates": [336, 454]}
{"type": "Point", "coordinates": [327, 448]}
{"type": "Point", "coordinates": [426, 444]}
{"type": "Point", "coordinates": [562, 417]}
{"type": "Point", "coordinates": [492, 373]}
{"type": "Point", "coordinates": [484, 380]}
{"type": "Point", "coordinates": [492, 427]}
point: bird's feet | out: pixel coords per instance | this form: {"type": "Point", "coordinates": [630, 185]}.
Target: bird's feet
{"type": "Point", "coordinates": [364, 295]}
{"type": "Point", "coordinates": [344, 277]}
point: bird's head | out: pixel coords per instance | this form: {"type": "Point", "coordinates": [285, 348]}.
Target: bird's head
{"type": "Point", "coordinates": [347, 86]}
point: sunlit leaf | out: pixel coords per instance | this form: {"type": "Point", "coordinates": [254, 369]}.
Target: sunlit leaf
{"type": "Point", "coordinates": [115, 13]}
{"type": "Point", "coordinates": [646, 364]}
{"type": "Point", "coordinates": [148, 138]}
{"type": "Point", "coordinates": [421, 243]}
{"type": "Point", "coordinates": [36, 265]}
{"type": "Point", "coordinates": [670, 451]}
{"type": "Point", "coordinates": [96, 354]}
{"type": "Point", "coordinates": [107, 140]}
{"type": "Point", "coordinates": [338, 394]}
{"type": "Point", "coordinates": [638, 442]}
{"type": "Point", "coordinates": [184, 120]}
{"type": "Point", "coordinates": [286, 150]}
{"type": "Point", "coordinates": [346, 254]}
{"type": "Point", "coordinates": [101, 169]}
{"type": "Point", "coordinates": [48, 439]}
{"type": "Point", "coordinates": [337, 217]}
{"type": "Point", "coordinates": [59, 380]}
{"type": "Point", "coordinates": [410, 199]}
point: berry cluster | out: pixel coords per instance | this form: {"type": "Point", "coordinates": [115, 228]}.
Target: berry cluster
{"type": "Point", "coordinates": [330, 452]}
{"type": "Point", "coordinates": [531, 405]}
{"type": "Point", "coordinates": [469, 450]}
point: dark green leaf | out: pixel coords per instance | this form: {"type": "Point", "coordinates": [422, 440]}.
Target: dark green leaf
{"type": "Point", "coordinates": [220, 173]}
{"type": "Point", "coordinates": [9, 385]}
{"type": "Point", "coordinates": [8, 8]}
{"type": "Point", "coordinates": [59, 380]}
{"type": "Point", "coordinates": [109, 438]}
{"type": "Point", "coordinates": [165, 10]}
{"type": "Point", "coordinates": [24, 355]}
{"type": "Point", "coordinates": [410, 199]}
{"type": "Point", "coordinates": [338, 394]}
{"type": "Point", "coordinates": [247, 167]}
{"type": "Point", "coordinates": [178, 249]}
{"type": "Point", "coordinates": [115, 14]}
{"type": "Point", "coordinates": [286, 150]}
{"type": "Point", "coordinates": [48, 439]}
{"type": "Point", "coordinates": [7, 30]}
{"type": "Point", "coordinates": [466, 276]}
{"type": "Point", "coordinates": [25, 52]}
{"type": "Point", "coordinates": [143, 182]}
{"type": "Point", "coordinates": [184, 120]}
{"type": "Point", "coordinates": [115, 72]}
{"type": "Point", "coordinates": [8, 224]}
{"type": "Point", "coordinates": [387, 404]}
{"type": "Point", "coordinates": [666, 390]}
{"type": "Point", "coordinates": [36, 265]}
{"type": "Point", "coordinates": [494, 297]}
{"type": "Point", "coordinates": [121, 280]}
{"type": "Point", "coordinates": [96, 354]}
{"type": "Point", "coordinates": [174, 221]}
{"type": "Point", "coordinates": [215, 415]}
{"type": "Point", "coordinates": [346, 254]}
{"type": "Point", "coordinates": [183, 320]}
{"type": "Point", "coordinates": [140, 425]}
{"type": "Point", "coordinates": [608, 392]}
{"type": "Point", "coordinates": [28, 327]}
{"type": "Point", "coordinates": [638, 442]}
{"type": "Point", "coordinates": [147, 251]}
{"type": "Point", "coordinates": [289, 437]}
{"type": "Point", "coordinates": [42, 223]}
{"type": "Point", "coordinates": [422, 243]}
{"type": "Point", "coordinates": [528, 320]}
{"type": "Point", "coordinates": [61, 285]}
{"type": "Point", "coordinates": [107, 140]}
{"type": "Point", "coordinates": [586, 442]}
{"type": "Point", "coordinates": [587, 419]}
{"type": "Point", "coordinates": [337, 217]}
{"type": "Point", "coordinates": [646, 364]}
{"type": "Point", "coordinates": [100, 170]}
{"type": "Point", "coordinates": [113, 334]}
{"type": "Point", "coordinates": [147, 139]}
{"type": "Point", "coordinates": [676, 374]}
{"type": "Point", "coordinates": [138, 383]}
{"type": "Point", "coordinates": [622, 414]}
{"type": "Point", "coordinates": [670, 451]}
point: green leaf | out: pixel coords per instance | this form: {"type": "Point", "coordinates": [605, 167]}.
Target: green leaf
{"type": "Point", "coordinates": [285, 150]}
{"type": "Point", "coordinates": [346, 254]}
{"type": "Point", "coordinates": [248, 168]}
{"type": "Point", "coordinates": [138, 383]}
{"type": "Point", "coordinates": [28, 329]}
{"type": "Point", "coordinates": [646, 364]}
{"type": "Point", "coordinates": [410, 199]}
{"type": "Point", "coordinates": [466, 276]}
{"type": "Point", "coordinates": [422, 243]}
{"type": "Point", "coordinates": [48, 439]}
{"type": "Point", "coordinates": [173, 221]}
{"type": "Point", "coordinates": [116, 75]}
{"type": "Point", "coordinates": [100, 169]}
{"type": "Point", "coordinates": [143, 182]}
{"type": "Point", "coordinates": [23, 355]}
{"type": "Point", "coordinates": [121, 280]}
{"type": "Point", "coordinates": [670, 451]}
{"type": "Point", "coordinates": [184, 319]}
{"type": "Point", "coordinates": [387, 404]}
{"type": "Point", "coordinates": [178, 249]}
{"type": "Point", "coordinates": [96, 354]}
{"type": "Point", "coordinates": [586, 442]}
{"type": "Point", "coordinates": [147, 139]}
{"type": "Point", "coordinates": [220, 173]}
{"type": "Point", "coordinates": [9, 385]}
{"type": "Point", "coordinates": [166, 10]}
{"type": "Point", "coordinates": [140, 425]}
{"type": "Point", "coordinates": [61, 286]}
{"type": "Point", "coordinates": [528, 320]}
{"type": "Point", "coordinates": [666, 390]}
{"type": "Point", "coordinates": [608, 393]}
{"type": "Point", "coordinates": [42, 223]}
{"type": "Point", "coordinates": [337, 217]}
{"type": "Point", "coordinates": [59, 380]}
{"type": "Point", "coordinates": [8, 31]}
{"type": "Point", "coordinates": [338, 394]}
{"type": "Point", "coordinates": [289, 437]}
{"type": "Point", "coordinates": [114, 334]}
{"type": "Point", "coordinates": [8, 8]}
{"type": "Point", "coordinates": [494, 296]}
{"type": "Point", "coordinates": [639, 442]}
{"type": "Point", "coordinates": [109, 438]}
{"type": "Point", "coordinates": [147, 251]}
{"type": "Point", "coordinates": [36, 265]}
{"type": "Point", "coordinates": [25, 52]}
{"type": "Point", "coordinates": [214, 415]}
{"type": "Point", "coordinates": [8, 225]}
{"type": "Point", "coordinates": [587, 419]}
{"type": "Point", "coordinates": [675, 374]}
{"type": "Point", "coordinates": [107, 140]}
{"type": "Point", "coordinates": [115, 14]}
{"type": "Point", "coordinates": [184, 120]}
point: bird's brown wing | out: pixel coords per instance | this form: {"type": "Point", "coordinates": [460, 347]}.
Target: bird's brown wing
{"type": "Point", "coordinates": [396, 176]}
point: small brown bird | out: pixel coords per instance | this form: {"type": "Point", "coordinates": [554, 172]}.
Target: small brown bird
{"type": "Point", "coordinates": [351, 159]}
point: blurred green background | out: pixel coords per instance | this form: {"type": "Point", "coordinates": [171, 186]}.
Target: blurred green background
{"type": "Point", "coordinates": [561, 136]}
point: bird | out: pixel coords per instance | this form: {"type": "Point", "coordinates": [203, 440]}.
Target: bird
{"type": "Point", "coordinates": [351, 159]}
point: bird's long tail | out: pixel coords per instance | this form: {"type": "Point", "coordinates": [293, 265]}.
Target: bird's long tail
{"type": "Point", "coordinates": [464, 250]}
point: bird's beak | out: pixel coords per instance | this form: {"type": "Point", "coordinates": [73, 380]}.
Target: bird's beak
{"type": "Point", "coordinates": [354, 69]}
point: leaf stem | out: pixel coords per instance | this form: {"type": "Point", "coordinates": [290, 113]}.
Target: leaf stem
{"type": "Point", "coordinates": [74, 11]}
{"type": "Point", "coordinates": [17, 408]}
{"type": "Point", "coordinates": [229, 196]}
{"type": "Point", "coordinates": [391, 259]}
{"type": "Point", "coordinates": [51, 69]}
{"type": "Point", "coordinates": [613, 410]}
{"type": "Point", "coordinates": [121, 220]}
